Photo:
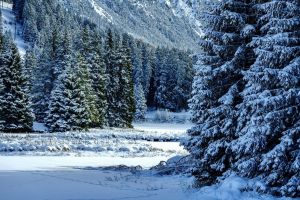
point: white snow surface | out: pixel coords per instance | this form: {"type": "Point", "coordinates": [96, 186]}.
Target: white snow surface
{"type": "Point", "coordinates": [10, 25]}
{"type": "Point", "coordinates": [76, 166]}
{"type": "Point", "coordinates": [101, 12]}
{"type": "Point", "coordinates": [50, 163]}
{"type": "Point", "coordinates": [103, 184]}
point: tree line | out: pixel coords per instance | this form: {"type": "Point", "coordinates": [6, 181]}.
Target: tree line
{"type": "Point", "coordinates": [77, 76]}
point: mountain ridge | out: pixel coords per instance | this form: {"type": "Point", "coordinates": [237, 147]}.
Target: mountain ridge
{"type": "Point", "coordinates": [138, 18]}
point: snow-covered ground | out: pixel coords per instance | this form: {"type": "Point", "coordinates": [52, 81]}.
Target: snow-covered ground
{"type": "Point", "coordinates": [107, 142]}
{"type": "Point", "coordinates": [65, 166]}
{"type": "Point", "coordinates": [110, 184]}
{"type": "Point", "coordinates": [10, 25]}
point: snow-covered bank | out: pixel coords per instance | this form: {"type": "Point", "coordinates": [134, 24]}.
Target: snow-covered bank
{"type": "Point", "coordinates": [176, 130]}
{"type": "Point", "coordinates": [10, 25]}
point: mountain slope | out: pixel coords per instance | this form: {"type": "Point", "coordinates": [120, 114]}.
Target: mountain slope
{"type": "Point", "coordinates": [154, 21]}
{"type": "Point", "coordinates": [10, 25]}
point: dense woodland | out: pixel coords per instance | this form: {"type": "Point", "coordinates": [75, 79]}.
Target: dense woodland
{"type": "Point", "coordinates": [76, 76]}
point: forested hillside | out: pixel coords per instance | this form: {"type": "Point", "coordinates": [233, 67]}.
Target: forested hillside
{"type": "Point", "coordinates": [79, 75]}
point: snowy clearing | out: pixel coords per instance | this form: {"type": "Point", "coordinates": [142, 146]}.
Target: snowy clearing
{"type": "Point", "coordinates": [10, 25]}
{"type": "Point", "coordinates": [79, 165]}
{"type": "Point", "coordinates": [75, 166]}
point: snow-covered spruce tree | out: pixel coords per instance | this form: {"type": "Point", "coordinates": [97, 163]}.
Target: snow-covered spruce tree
{"type": "Point", "coordinates": [49, 67]}
{"type": "Point", "coordinates": [140, 70]}
{"type": "Point", "coordinates": [216, 86]}
{"type": "Point", "coordinates": [86, 85]}
{"type": "Point", "coordinates": [92, 51]}
{"type": "Point", "coordinates": [15, 112]}
{"type": "Point", "coordinates": [140, 103]}
{"type": "Point", "coordinates": [57, 115]}
{"type": "Point", "coordinates": [42, 86]}
{"type": "Point", "coordinates": [77, 115]}
{"type": "Point", "coordinates": [161, 79]}
{"type": "Point", "coordinates": [29, 69]}
{"type": "Point", "coordinates": [112, 83]}
{"type": "Point", "coordinates": [30, 30]}
{"type": "Point", "coordinates": [126, 103]}
{"type": "Point", "coordinates": [146, 67]}
{"type": "Point", "coordinates": [184, 76]}
{"type": "Point", "coordinates": [268, 144]}
{"type": "Point", "coordinates": [152, 84]}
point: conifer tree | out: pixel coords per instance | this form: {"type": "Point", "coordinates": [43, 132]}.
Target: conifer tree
{"type": "Point", "coordinates": [269, 117]}
{"type": "Point", "coordinates": [217, 83]}
{"type": "Point", "coordinates": [57, 119]}
{"type": "Point", "coordinates": [49, 65]}
{"type": "Point", "coordinates": [161, 79]}
{"type": "Point", "coordinates": [140, 77]}
{"type": "Point", "coordinates": [87, 90]}
{"type": "Point", "coordinates": [78, 113]}
{"type": "Point", "coordinates": [112, 82]}
{"type": "Point", "coordinates": [126, 85]}
{"type": "Point", "coordinates": [146, 67]}
{"type": "Point", "coordinates": [140, 103]}
{"type": "Point", "coordinates": [57, 116]}
{"type": "Point", "coordinates": [29, 69]}
{"type": "Point", "coordinates": [184, 76]}
{"type": "Point", "coordinates": [42, 86]}
{"type": "Point", "coordinates": [15, 111]}
{"type": "Point", "coordinates": [92, 51]}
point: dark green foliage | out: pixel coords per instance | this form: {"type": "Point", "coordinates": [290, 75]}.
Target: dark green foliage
{"type": "Point", "coordinates": [92, 51]}
{"type": "Point", "coordinates": [15, 111]}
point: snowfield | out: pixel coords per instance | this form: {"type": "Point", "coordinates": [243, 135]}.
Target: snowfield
{"type": "Point", "coordinates": [115, 184]}
{"type": "Point", "coordinates": [108, 164]}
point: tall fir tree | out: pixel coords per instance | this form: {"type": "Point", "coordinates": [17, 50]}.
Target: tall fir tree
{"type": "Point", "coordinates": [269, 117]}
{"type": "Point", "coordinates": [57, 114]}
{"type": "Point", "coordinates": [29, 69]}
{"type": "Point", "coordinates": [15, 112]}
{"type": "Point", "coordinates": [140, 103]}
{"type": "Point", "coordinates": [217, 83]}
{"type": "Point", "coordinates": [140, 69]}
{"type": "Point", "coordinates": [86, 85]}
{"type": "Point", "coordinates": [57, 119]}
{"type": "Point", "coordinates": [49, 67]}
{"type": "Point", "coordinates": [126, 84]}
{"type": "Point", "coordinates": [112, 82]}
{"type": "Point", "coordinates": [92, 50]}
{"type": "Point", "coordinates": [78, 114]}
